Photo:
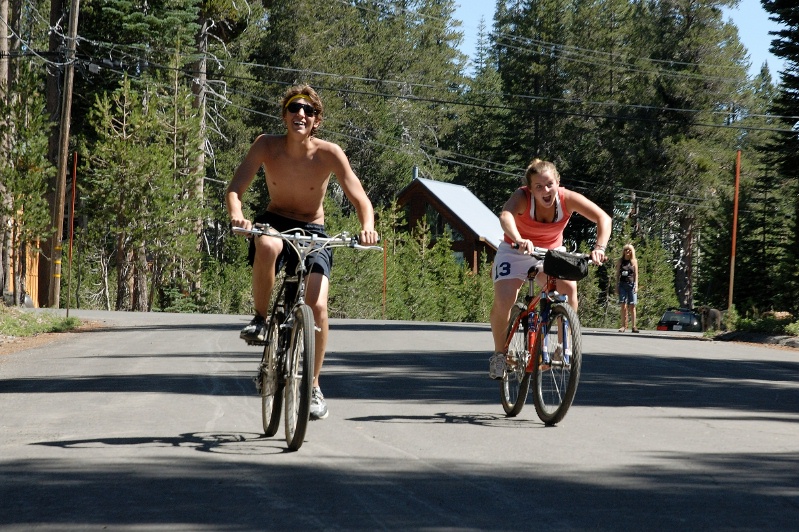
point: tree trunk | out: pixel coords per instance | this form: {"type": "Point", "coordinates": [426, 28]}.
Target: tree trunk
{"type": "Point", "coordinates": [54, 114]}
{"type": "Point", "coordinates": [104, 264]}
{"type": "Point", "coordinates": [124, 275]}
{"type": "Point", "coordinates": [198, 88]}
{"type": "Point", "coordinates": [139, 299]}
{"type": "Point", "coordinates": [5, 199]}
{"type": "Point", "coordinates": [683, 272]}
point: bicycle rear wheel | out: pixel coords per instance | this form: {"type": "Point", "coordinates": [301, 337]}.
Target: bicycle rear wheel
{"type": "Point", "coordinates": [556, 381]}
{"type": "Point", "coordinates": [300, 377]}
{"type": "Point", "coordinates": [270, 376]}
{"type": "Point", "coordinates": [516, 382]}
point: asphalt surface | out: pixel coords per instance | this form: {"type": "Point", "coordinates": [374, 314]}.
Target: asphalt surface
{"type": "Point", "coordinates": [151, 422]}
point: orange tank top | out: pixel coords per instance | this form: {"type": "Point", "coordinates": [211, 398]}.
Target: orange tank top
{"type": "Point", "coordinates": [542, 234]}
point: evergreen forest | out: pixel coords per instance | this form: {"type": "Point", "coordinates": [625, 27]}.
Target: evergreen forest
{"type": "Point", "coordinates": [646, 106]}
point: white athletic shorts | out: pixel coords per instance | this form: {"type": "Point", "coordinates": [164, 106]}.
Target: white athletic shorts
{"type": "Point", "coordinates": [510, 263]}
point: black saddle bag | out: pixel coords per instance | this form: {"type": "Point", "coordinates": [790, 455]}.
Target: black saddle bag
{"type": "Point", "coordinates": [563, 265]}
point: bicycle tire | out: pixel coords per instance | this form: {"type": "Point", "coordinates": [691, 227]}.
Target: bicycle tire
{"type": "Point", "coordinates": [516, 383]}
{"type": "Point", "coordinates": [556, 382]}
{"type": "Point", "coordinates": [299, 380]}
{"type": "Point", "coordinates": [271, 381]}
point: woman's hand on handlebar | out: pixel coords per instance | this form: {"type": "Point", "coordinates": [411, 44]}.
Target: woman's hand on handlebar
{"type": "Point", "coordinates": [598, 256]}
{"type": "Point", "coordinates": [524, 245]}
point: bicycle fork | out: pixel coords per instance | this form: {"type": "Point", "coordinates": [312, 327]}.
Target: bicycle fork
{"type": "Point", "coordinates": [564, 339]}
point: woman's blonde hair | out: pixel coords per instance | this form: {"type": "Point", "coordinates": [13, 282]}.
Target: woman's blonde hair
{"type": "Point", "coordinates": [631, 248]}
{"type": "Point", "coordinates": [633, 260]}
{"type": "Point", "coordinates": [538, 166]}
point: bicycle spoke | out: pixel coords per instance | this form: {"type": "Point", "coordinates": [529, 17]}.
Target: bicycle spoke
{"type": "Point", "coordinates": [556, 379]}
{"type": "Point", "coordinates": [516, 382]}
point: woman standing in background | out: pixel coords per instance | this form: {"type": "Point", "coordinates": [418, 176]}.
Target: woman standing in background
{"type": "Point", "coordinates": [627, 279]}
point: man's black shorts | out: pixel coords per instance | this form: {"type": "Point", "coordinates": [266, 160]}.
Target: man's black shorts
{"type": "Point", "coordinates": [317, 262]}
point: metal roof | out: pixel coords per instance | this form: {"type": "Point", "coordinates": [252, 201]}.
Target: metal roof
{"type": "Point", "coordinates": [468, 208]}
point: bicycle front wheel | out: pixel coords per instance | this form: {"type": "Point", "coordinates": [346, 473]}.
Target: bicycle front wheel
{"type": "Point", "coordinates": [516, 382]}
{"type": "Point", "coordinates": [271, 382]}
{"type": "Point", "coordinates": [556, 380]}
{"type": "Point", "coordinates": [300, 377]}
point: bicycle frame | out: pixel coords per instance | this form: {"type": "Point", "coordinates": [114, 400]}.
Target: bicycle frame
{"type": "Point", "coordinates": [303, 245]}
{"type": "Point", "coordinates": [543, 349]}
{"type": "Point", "coordinates": [537, 313]}
{"type": "Point", "coordinates": [286, 368]}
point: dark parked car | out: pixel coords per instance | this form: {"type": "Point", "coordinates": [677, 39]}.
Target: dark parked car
{"type": "Point", "coordinates": [680, 319]}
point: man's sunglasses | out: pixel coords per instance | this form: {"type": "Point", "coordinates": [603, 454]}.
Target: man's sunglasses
{"type": "Point", "coordinates": [294, 107]}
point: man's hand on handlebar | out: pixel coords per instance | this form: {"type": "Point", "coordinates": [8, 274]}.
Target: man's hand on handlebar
{"type": "Point", "coordinates": [368, 238]}
{"type": "Point", "coordinates": [244, 223]}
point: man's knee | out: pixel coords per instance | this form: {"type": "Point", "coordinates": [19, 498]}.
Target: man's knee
{"type": "Point", "coordinates": [267, 247]}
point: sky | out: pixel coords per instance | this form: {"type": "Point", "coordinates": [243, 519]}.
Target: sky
{"type": "Point", "coordinates": [750, 17]}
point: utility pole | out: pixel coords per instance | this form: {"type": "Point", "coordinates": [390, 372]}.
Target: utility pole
{"type": "Point", "coordinates": [734, 226]}
{"type": "Point", "coordinates": [57, 207]}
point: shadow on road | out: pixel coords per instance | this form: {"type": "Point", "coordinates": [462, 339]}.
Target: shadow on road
{"type": "Point", "coordinates": [250, 494]}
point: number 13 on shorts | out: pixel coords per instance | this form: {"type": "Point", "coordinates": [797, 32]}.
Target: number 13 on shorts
{"type": "Point", "coordinates": [501, 269]}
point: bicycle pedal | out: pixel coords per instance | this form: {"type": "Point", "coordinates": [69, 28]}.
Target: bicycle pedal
{"type": "Point", "coordinates": [256, 342]}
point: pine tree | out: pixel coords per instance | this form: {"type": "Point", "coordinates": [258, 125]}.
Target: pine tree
{"type": "Point", "coordinates": [785, 149]}
{"type": "Point", "coordinates": [24, 175]}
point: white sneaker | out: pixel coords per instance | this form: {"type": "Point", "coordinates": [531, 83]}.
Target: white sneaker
{"type": "Point", "coordinates": [497, 366]}
{"type": "Point", "coordinates": [318, 404]}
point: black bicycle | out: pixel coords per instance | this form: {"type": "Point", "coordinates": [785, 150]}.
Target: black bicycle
{"type": "Point", "coordinates": [285, 374]}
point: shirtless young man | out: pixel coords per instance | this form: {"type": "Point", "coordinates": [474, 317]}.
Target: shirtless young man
{"type": "Point", "coordinates": [298, 167]}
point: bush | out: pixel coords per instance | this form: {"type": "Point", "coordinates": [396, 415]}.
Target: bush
{"type": "Point", "coordinates": [18, 322]}
{"type": "Point", "coordinates": [730, 319]}
{"type": "Point", "coordinates": [767, 324]}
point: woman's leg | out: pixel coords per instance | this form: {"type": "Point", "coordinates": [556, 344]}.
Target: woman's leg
{"type": "Point", "coordinates": [567, 288]}
{"type": "Point", "coordinates": [505, 293]}
{"type": "Point", "coordinates": [623, 317]}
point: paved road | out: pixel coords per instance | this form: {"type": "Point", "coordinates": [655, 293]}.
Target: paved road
{"type": "Point", "coordinates": [150, 422]}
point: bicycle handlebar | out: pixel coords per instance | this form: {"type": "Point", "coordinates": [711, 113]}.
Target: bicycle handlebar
{"type": "Point", "coordinates": [301, 237]}
{"type": "Point", "coordinates": [540, 253]}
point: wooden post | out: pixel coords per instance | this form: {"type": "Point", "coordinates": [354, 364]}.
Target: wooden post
{"type": "Point", "coordinates": [57, 208]}
{"type": "Point", "coordinates": [734, 226]}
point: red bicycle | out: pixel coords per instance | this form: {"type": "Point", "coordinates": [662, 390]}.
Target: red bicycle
{"type": "Point", "coordinates": [544, 341]}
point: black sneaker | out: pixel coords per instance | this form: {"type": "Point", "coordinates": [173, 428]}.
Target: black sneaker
{"type": "Point", "coordinates": [255, 331]}
{"type": "Point", "coordinates": [318, 404]}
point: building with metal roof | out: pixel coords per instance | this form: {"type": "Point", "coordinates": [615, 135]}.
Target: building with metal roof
{"type": "Point", "coordinates": [453, 209]}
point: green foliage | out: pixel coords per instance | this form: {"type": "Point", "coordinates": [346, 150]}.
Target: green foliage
{"type": "Point", "coordinates": [655, 286]}
{"type": "Point", "coordinates": [227, 288]}
{"type": "Point", "coordinates": [596, 308]}
{"type": "Point", "coordinates": [767, 324]}
{"type": "Point", "coordinates": [24, 169]}
{"type": "Point", "coordinates": [424, 280]}
{"type": "Point", "coordinates": [19, 322]}
{"type": "Point", "coordinates": [140, 188]}
{"type": "Point", "coordinates": [730, 318]}
{"type": "Point", "coordinates": [783, 149]}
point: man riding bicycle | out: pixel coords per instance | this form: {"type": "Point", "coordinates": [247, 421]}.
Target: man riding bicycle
{"type": "Point", "coordinates": [298, 167]}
